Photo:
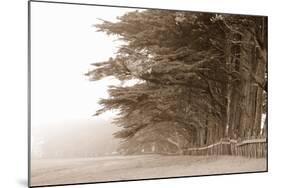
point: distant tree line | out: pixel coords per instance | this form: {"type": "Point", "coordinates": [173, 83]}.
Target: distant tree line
{"type": "Point", "coordinates": [201, 77]}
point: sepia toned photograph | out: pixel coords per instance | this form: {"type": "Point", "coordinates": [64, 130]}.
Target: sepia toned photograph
{"type": "Point", "coordinates": [126, 93]}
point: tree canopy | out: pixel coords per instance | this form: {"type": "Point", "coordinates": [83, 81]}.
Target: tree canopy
{"type": "Point", "coordinates": [202, 76]}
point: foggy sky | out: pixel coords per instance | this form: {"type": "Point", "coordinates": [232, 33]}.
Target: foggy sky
{"type": "Point", "coordinates": [64, 43]}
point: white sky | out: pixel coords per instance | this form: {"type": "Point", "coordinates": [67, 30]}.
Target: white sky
{"type": "Point", "coordinates": [64, 44]}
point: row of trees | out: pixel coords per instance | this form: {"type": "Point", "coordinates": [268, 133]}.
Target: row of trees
{"type": "Point", "coordinates": [201, 77]}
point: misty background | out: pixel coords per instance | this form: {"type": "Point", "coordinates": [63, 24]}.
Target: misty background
{"type": "Point", "coordinates": [63, 100]}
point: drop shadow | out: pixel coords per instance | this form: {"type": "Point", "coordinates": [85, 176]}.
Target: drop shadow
{"type": "Point", "coordinates": [23, 182]}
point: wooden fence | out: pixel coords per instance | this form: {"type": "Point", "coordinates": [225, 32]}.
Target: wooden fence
{"type": "Point", "coordinates": [255, 148]}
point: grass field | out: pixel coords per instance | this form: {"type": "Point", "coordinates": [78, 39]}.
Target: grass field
{"type": "Point", "coordinates": [83, 170]}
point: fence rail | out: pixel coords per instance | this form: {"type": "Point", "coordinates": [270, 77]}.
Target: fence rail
{"type": "Point", "coordinates": [255, 148]}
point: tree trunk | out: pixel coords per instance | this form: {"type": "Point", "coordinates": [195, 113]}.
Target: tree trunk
{"type": "Point", "coordinates": [246, 87]}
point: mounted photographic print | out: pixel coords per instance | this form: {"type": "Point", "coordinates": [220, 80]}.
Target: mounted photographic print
{"type": "Point", "coordinates": [126, 93]}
